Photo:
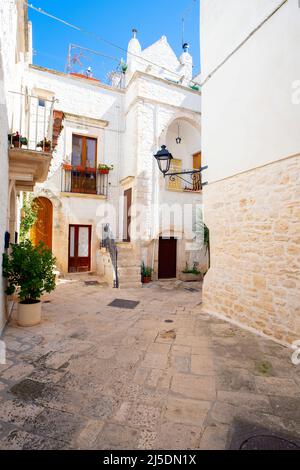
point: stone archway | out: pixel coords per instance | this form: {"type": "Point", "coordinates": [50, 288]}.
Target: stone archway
{"type": "Point", "coordinates": [42, 230]}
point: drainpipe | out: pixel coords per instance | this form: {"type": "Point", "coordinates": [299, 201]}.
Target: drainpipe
{"type": "Point", "coordinates": [155, 183]}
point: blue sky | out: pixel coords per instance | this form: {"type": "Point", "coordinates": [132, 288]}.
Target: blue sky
{"type": "Point", "coordinates": [112, 20]}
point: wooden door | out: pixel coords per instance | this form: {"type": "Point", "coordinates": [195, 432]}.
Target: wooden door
{"type": "Point", "coordinates": [127, 214]}
{"type": "Point", "coordinates": [80, 237]}
{"type": "Point", "coordinates": [167, 265]}
{"type": "Point", "coordinates": [42, 229]}
{"type": "Point", "coordinates": [197, 163]}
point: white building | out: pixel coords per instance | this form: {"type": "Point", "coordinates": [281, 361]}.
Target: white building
{"type": "Point", "coordinates": [251, 143]}
{"type": "Point", "coordinates": [21, 168]}
{"type": "Point", "coordinates": [121, 126]}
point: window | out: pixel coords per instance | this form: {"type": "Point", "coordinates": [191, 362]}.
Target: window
{"type": "Point", "coordinates": [174, 183]}
{"type": "Point", "coordinates": [42, 103]}
{"type": "Point", "coordinates": [84, 162]}
{"type": "Point", "coordinates": [84, 152]}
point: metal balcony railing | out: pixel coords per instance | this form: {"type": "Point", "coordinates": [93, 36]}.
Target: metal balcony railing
{"type": "Point", "coordinates": [186, 182]}
{"type": "Point", "coordinates": [84, 181]}
{"type": "Point", "coordinates": [31, 121]}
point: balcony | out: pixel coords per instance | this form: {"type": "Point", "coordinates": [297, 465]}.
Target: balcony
{"type": "Point", "coordinates": [185, 183]}
{"type": "Point", "coordinates": [30, 139]}
{"type": "Point", "coordinates": [76, 180]}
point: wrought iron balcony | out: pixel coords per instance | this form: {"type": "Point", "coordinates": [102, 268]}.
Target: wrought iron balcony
{"type": "Point", "coordinates": [31, 121]}
{"type": "Point", "coordinates": [79, 180]}
{"type": "Point", "coordinates": [186, 180]}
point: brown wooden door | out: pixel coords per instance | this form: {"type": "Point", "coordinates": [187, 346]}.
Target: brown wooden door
{"type": "Point", "coordinates": [80, 237]}
{"type": "Point", "coordinates": [197, 163]}
{"type": "Point", "coordinates": [127, 214]}
{"type": "Point", "coordinates": [167, 265]}
{"type": "Point", "coordinates": [42, 229]}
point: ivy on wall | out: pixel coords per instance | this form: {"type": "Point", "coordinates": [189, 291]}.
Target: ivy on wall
{"type": "Point", "coordinates": [29, 216]}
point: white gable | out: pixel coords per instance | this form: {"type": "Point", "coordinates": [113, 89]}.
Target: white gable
{"type": "Point", "coordinates": [162, 54]}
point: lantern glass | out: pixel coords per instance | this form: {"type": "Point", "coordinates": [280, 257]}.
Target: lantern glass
{"type": "Point", "coordinates": [164, 159]}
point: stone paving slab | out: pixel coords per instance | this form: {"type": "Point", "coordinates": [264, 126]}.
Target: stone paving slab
{"type": "Point", "coordinates": [164, 376]}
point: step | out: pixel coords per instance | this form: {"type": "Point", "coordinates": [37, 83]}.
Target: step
{"type": "Point", "coordinates": [128, 270]}
{"type": "Point", "coordinates": [124, 279]}
{"type": "Point", "coordinates": [130, 285]}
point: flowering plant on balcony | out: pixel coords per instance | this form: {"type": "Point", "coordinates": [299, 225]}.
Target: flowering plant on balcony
{"type": "Point", "coordinates": [17, 140]}
{"type": "Point", "coordinates": [105, 169]}
{"type": "Point", "coordinates": [45, 145]}
{"type": "Point", "coordinates": [67, 166]}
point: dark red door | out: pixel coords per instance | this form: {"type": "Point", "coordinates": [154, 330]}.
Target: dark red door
{"type": "Point", "coordinates": [167, 265]}
{"type": "Point", "coordinates": [80, 237]}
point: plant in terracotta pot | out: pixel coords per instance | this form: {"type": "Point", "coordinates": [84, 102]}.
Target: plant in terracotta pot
{"type": "Point", "coordinates": [146, 273]}
{"type": "Point", "coordinates": [67, 167]}
{"type": "Point", "coordinates": [16, 140]}
{"type": "Point", "coordinates": [45, 145]}
{"type": "Point", "coordinates": [104, 169]}
{"type": "Point", "coordinates": [29, 271]}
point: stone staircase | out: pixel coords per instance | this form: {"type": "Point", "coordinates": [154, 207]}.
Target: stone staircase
{"type": "Point", "coordinates": [129, 266]}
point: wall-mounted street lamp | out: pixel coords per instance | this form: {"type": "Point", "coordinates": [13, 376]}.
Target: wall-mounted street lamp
{"type": "Point", "coordinates": [164, 159]}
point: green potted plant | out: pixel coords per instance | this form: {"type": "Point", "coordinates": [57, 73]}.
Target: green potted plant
{"type": "Point", "coordinates": [45, 145]}
{"type": "Point", "coordinates": [123, 66]}
{"type": "Point", "coordinates": [146, 273]}
{"type": "Point", "coordinates": [29, 271]}
{"type": "Point", "coordinates": [191, 274]}
{"type": "Point", "coordinates": [16, 140]}
{"type": "Point", "coordinates": [104, 169]}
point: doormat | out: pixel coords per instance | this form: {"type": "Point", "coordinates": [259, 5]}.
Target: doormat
{"type": "Point", "coordinates": [91, 283]}
{"type": "Point", "coordinates": [121, 303]}
{"type": "Point", "coordinates": [247, 436]}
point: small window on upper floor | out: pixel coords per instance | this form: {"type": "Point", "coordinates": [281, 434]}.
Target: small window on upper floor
{"type": "Point", "coordinates": [42, 103]}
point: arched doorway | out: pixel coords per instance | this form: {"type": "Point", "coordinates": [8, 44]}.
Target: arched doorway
{"type": "Point", "coordinates": [42, 229]}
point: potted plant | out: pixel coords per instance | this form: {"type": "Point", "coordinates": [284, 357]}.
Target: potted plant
{"type": "Point", "coordinates": [17, 140]}
{"type": "Point", "coordinates": [67, 167]}
{"type": "Point", "coordinates": [29, 270]}
{"type": "Point", "coordinates": [104, 169]}
{"type": "Point", "coordinates": [45, 145]}
{"type": "Point", "coordinates": [191, 274]}
{"type": "Point", "coordinates": [90, 169]}
{"type": "Point", "coordinates": [123, 66]}
{"type": "Point", "coordinates": [146, 273]}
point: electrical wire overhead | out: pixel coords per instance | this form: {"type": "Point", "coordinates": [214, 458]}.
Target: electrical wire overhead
{"type": "Point", "coordinates": [100, 38]}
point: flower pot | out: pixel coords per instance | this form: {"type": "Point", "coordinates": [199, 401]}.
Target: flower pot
{"type": "Point", "coordinates": [17, 144]}
{"type": "Point", "coordinates": [67, 167]}
{"type": "Point", "coordinates": [103, 172]}
{"type": "Point", "coordinates": [189, 277]}
{"type": "Point", "coordinates": [29, 314]}
{"type": "Point", "coordinates": [146, 280]}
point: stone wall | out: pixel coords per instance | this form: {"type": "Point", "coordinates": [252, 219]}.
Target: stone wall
{"type": "Point", "coordinates": [254, 221]}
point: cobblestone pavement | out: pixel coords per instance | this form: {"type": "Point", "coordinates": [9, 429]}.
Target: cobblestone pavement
{"type": "Point", "coordinates": [161, 376]}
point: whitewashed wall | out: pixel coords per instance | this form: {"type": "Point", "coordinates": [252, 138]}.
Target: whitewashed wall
{"type": "Point", "coordinates": [9, 80]}
{"type": "Point", "coordinates": [249, 118]}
